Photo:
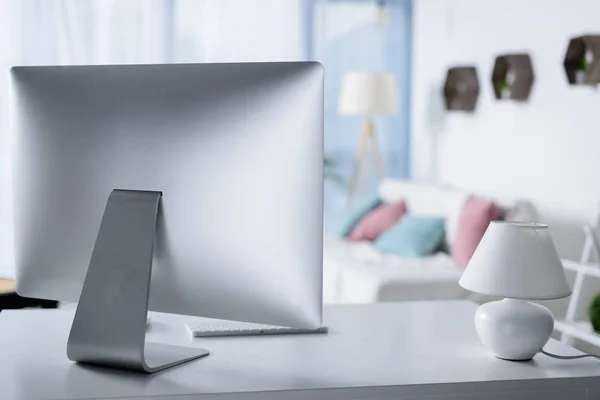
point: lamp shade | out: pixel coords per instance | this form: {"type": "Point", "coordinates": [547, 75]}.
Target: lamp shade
{"type": "Point", "coordinates": [368, 93]}
{"type": "Point", "coordinates": [516, 260]}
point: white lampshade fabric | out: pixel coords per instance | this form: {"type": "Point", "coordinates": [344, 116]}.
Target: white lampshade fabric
{"type": "Point", "coordinates": [516, 260]}
{"type": "Point", "coordinates": [368, 93]}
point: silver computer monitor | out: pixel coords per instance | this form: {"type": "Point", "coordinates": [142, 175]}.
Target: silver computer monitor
{"type": "Point", "coordinates": [225, 160]}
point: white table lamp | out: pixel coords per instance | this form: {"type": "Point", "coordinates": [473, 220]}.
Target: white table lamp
{"type": "Point", "coordinates": [367, 94]}
{"type": "Point", "coordinates": [517, 261]}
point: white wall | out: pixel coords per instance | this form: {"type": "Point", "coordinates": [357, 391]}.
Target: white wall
{"type": "Point", "coordinates": [546, 150]}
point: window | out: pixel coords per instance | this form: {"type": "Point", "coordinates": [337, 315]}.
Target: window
{"type": "Point", "coordinates": [371, 36]}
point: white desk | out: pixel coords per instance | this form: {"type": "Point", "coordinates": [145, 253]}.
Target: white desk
{"type": "Point", "coordinates": [397, 351]}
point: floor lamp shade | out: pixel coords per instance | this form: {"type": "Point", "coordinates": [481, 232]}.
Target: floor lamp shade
{"type": "Point", "coordinates": [518, 261]}
{"type": "Point", "coordinates": [368, 93]}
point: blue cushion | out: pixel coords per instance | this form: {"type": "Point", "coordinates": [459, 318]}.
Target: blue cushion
{"type": "Point", "coordinates": [358, 211]}
{"type": "Point", "coordinates": [412, 236]}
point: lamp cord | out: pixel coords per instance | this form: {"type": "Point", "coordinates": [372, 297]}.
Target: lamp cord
{"type": "Point", "coordinates": [544, 352]}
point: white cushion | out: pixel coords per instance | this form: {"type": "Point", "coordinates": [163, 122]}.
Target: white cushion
{"type": "Point", "coordinates": [428, 201]}
{"type": "Point", "coordinates": [355, 272]}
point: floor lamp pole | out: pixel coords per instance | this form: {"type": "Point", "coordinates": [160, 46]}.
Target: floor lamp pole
{"type": "Point", "coordinates": [360, 170]}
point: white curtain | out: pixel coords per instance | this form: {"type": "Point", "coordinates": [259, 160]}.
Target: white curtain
{"type": "Point", "coordinates": [9, 40]}
{"type": "Point", "coordinates": [240, 30]}
{"type": "Point", "coordinates": [60, 32]}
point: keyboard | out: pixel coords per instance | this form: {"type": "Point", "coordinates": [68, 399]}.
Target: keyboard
{"type": "Point", "coordinates": [219, 328]}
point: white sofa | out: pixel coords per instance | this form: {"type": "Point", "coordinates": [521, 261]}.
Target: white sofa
{"type": "Point", "coordinates": [358, 273]}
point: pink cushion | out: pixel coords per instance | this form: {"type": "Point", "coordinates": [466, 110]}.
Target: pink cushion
{"type": "Point", "coordinates": [475, 217]}
{"type": "Point", "coordinates": [377, 221]}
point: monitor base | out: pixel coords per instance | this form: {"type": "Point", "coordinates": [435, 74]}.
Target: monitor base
{"type": "Point", "coordinates": [158, 356]}
{"type": "Point", "coordinates": [109, 327]}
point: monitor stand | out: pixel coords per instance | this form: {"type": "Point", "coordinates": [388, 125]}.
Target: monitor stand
{"type": "Point", "coordinates": [109, 328]}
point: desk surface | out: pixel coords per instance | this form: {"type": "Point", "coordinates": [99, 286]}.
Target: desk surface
{"type": "Point", "coordinates": [389, 350]}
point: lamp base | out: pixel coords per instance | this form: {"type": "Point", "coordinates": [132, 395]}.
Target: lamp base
{"type": "Point", "coordinates": [514, 330]}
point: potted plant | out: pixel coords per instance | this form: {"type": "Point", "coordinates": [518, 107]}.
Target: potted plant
{"type": "Point", "coordinates": [582, 65]}
{"type": "Point", "coordinates": [330, 173]}
{"type": "Point", "coordinates": [505, 89]}
{"type": "Point", "coordinates": [507, 84]}
{"type": "Point", "coordinates": [595, 313]}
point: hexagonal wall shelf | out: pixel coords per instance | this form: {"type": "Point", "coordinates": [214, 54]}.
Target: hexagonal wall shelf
{"type": "Point", "coordinates": [582, 61]}
{"type": "Point", "coordinates": [512, 77]}
{"type": "Point", "coordinates": [461, 88]}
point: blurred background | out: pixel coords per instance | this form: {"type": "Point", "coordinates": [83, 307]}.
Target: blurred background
{"type": "Point", "coordinates": [484, 97]}
{"type": "Point", "coordinates": [342, 35]}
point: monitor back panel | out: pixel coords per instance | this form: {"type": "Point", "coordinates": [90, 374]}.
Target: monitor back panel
{"type": "Point", "coordinates": [236, 149]}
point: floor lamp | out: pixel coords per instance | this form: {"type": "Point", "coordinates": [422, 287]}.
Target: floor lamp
{"type": "Point", "coordinates": [367, 94]}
